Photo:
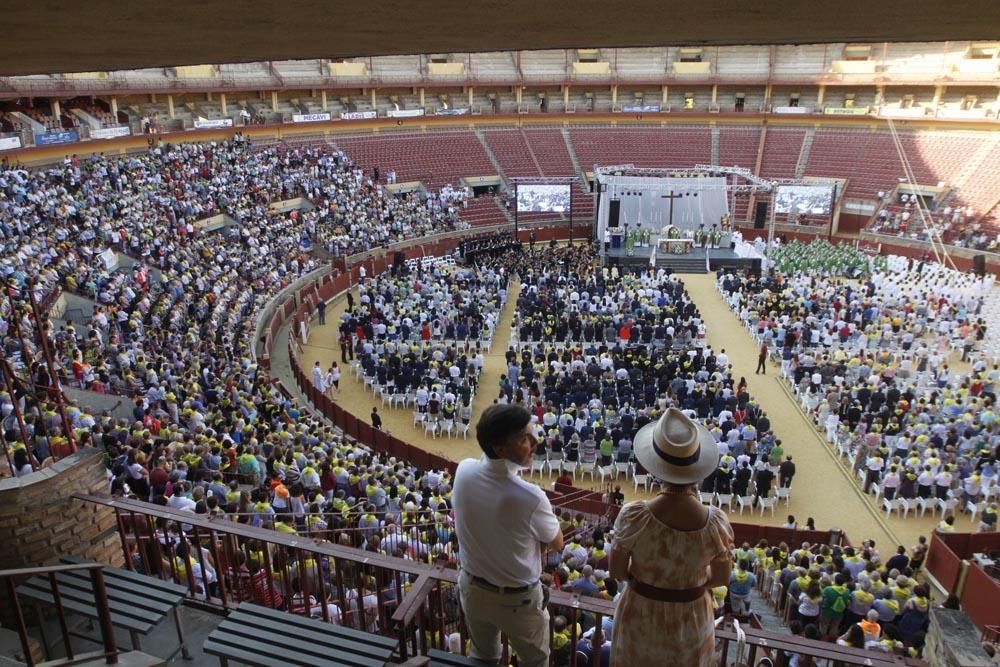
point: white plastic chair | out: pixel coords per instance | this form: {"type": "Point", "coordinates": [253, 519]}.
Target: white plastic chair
{"type": "Point", "coordinates": [417, 417]}
{"type": "Point", "coordinates": [606, 472]}
{"type": "Point", "coordinates": [623, 467]}
{"type": "Point", "coordinates": [784, 493]}
{"type": "Point", "coordinates": [923, 504]}
{"type": "Point", "coordinates": [724, 499]}
{"type": "Point", "coordinates": [891, 506]}
{"type": "Point", "coordinates": [945, 505]}
{"type": "Point", "coordinates": [588, 469]}
{"type": "Point", "coordinates": [639, 480]}
{"type": "Point", "coordinates": [745, 502]}
{"type": "Point", "coordinates": [539, 465]}
{"type": "Point", "coordinates": [974, 508]}
{"type": "Point", "coordinates": [465, 430]}
{"type": "Point", "coordinates": [430, 428]}
{"type": "Point", "coordinates": [447, 426]}
{"type": "Point", "coordinates": [768, 503]}
{"type": "Point", "coordinates": [570, 467]}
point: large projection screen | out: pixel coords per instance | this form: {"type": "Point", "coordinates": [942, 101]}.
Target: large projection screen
{"type": "Point", "coordinates": [807, 199]}
{"type": "Point", "coordinates": [543, 198]}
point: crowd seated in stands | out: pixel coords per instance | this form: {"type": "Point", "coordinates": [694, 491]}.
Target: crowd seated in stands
{"type": "Point", "coordinates": [871, 363]}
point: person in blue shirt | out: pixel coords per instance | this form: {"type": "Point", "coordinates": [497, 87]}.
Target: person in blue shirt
{"type": "Point", "coordinates": [741, 583]}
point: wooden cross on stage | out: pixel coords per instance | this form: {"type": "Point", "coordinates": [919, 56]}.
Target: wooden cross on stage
{"type": "Point", "coordinates": [671, 197]}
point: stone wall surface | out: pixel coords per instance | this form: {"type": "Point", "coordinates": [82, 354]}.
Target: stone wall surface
{"type": "Point", "coordinates": [40, 520]}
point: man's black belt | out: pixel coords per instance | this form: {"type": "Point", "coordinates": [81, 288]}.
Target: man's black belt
{"type": "Point", "coordinates": [482, 583]}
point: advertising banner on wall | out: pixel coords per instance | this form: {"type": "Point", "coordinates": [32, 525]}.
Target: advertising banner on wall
{"type": "Point", "coordinates": [451, 112]}
{"type": "Point", "coordinates": [207, 124]}
{"type": "Point", "coordinates": [358, 115]}
{"type": "Point", "coordinates": [845, 111]}
{"type": "Point", "coordinates": [7, 143]}
{"type": "Point", "coordinates": [310, 117]}
{"type": "Point", "coordinates": [110, 132]}
{"type": "Point", "coordinates": [641, 108]}
{"type": "Point", "coordinates": [405, 113]}
{"type": "Point", "coordinates": [60, 137]}
{"type": "Point", "coordinates": [792, 110]}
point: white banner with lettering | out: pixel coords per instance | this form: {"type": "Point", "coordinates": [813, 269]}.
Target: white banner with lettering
{"type": "Point", "coordinates": [358, 115]}
{"type": "Point", "coordinates": [792, 110]}
{"type": "Point", "coordinates": [110, 132]}
{"type": "Point", "coordinates": [405, 113]}
{"type": "Point", "coordinates": [7, 143]}
{"type": "Point", "coordinates": [309, 117]}
{"type": "Point", "coordinates": [206, 123]}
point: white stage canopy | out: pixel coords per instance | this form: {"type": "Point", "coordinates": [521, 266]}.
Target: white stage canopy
{"type": "Point", "coordinates": [645, 202]}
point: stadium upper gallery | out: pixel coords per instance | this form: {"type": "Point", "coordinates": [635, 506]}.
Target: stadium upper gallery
{"type": "Point", "coordinates": [266, 266]}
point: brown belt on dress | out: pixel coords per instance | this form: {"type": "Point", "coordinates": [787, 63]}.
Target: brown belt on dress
{"type": "Point", "coordinates": [667, 594]}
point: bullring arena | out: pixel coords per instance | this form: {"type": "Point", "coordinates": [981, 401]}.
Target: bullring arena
{"type": "Point", "coordinates": [254, 312]}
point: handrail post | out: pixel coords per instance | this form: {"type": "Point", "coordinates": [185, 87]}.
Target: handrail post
{"type": "Point", "coordinates": [63, 627]}
{"type": "Point", "coordinates": [22, 629]}
{"type": "Point", "coordinates": [104, 616]}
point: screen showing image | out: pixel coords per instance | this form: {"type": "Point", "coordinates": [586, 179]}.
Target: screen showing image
{"type": "Point", "coordinates": [808, 199]}
{"type": "Point", "coordinates": [538, 198]}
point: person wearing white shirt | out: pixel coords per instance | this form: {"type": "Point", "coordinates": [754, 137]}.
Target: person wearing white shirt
{"type": "Point", "coordinates": [503, 523]}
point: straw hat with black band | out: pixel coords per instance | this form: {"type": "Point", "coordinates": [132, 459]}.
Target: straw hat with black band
{"type": "Point", "coordinates": [676, 450]}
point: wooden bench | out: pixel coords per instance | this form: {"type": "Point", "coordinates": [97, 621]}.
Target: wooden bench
{"type": "Point", "coordinates": [137, 602]}
{"type": "Point", "coordinates": [256, 635]}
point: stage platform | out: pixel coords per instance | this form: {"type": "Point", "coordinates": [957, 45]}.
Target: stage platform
{"type": "Point", "coordinates": [699, 260]}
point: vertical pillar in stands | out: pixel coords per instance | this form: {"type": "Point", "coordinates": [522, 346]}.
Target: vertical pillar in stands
{"type": "Point", "coordinates": [114, 108]}
{"type": "Point", "coordinates": [56, 111]}
{"type": "Point", "coordinates": [322, 100]}
{"type": "Point", "coordinates": [170, 106]}
{"type": "Point", "coordinates": [820, 94]}
{"type": "Point", "coordinates": [274, 101]}
{"type": "Point", "coordinates": [222, 104]}
{"type": "Point", "coordinates": [663, 96]}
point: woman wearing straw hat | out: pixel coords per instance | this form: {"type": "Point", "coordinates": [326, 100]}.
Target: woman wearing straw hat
{"type": "Point", "coordinates": [672, 551]}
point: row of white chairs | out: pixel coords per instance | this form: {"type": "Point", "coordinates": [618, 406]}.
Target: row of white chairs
{"type": "Point", "coordinates": [437, 427]}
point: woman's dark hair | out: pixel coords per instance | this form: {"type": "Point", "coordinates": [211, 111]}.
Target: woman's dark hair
{"type": "Point", "coordinates": [499, 423]}
{"type": "Point", "coordinates": [855, 636]}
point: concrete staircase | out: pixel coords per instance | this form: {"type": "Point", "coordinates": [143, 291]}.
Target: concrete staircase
{"type": "Point", "coordinates": [493, 158]}
{"type": "Point", "coordinates": [807, 141]}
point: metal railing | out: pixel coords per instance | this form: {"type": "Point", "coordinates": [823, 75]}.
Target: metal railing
{"type": "Point", "coordinates": [110, 651]}
{"type": "Point", "coordinates": [413, 601]}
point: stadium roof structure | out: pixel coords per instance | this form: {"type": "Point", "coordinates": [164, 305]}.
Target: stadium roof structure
{"type": "Point", "coordinates": [103, 35]}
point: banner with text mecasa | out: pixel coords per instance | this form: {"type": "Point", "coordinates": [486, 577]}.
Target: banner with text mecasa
{"type": "Point", "coordinates": [310, 117]}
{"type": "Point", "coordinates": [211, 123]}
{"type": "Point", "coordinates": [110, 132]}
{"type": "Point", "coordinates": [8, 143]}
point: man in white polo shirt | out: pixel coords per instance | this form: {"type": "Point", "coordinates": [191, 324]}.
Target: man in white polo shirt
{"type": "Point", "coordinates": [503, 523]}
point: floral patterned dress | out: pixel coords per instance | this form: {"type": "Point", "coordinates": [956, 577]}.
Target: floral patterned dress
{"type": "Point", "coordinates": [649, 632]}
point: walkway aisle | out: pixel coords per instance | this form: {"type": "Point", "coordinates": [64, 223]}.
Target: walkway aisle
{"type": "Point", "coordinates": [823, 487]}
{"type": "Point", "coordinates": [354, 398]}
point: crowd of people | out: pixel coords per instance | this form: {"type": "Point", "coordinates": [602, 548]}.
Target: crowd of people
{"type": "Point", "coordinates": [873, 362]}
{"type": "Point", "coordinates": [420, 335]}
{"type": "Point", "coordinates": [598, 357]}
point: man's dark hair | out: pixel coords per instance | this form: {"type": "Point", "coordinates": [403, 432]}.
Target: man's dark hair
{"type": "Point", "coordinates": [498, 424]}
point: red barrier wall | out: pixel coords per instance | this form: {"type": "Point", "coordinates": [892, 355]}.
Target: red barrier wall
{"type": "Point", "coordinates": [981, 597]}
{"type": "Point", "coordinates": [943, 563]}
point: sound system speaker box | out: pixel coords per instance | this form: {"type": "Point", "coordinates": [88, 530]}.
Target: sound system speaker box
{"type": "Point", "coordinates": [614, 212]}
{"type": "Point", "coordinates": [760, 215]}
{"type": "Point", "coordinates": [979, 265]}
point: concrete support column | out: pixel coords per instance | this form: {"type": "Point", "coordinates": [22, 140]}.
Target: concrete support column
{"type": "Point", "coordinates": [471, 89]}
{"type": "Point", "coordinates": [879, 95]}
{"type": "Point", "coordinates": [820, 95]}
{"type": "Point", "coordinates": [373, 98]}
{"type": "Point", "coordinates": [56, 110]}
{"type": "Point", "coordinates": [565, 97]}
{"type": "Point", "coordinates": [938, 94]}
{"type": "Point", "coordinates": [170, 106]}
{"type": "Point", "coordinates": [208, 96]}
{"type": "Point", "coordinates": [114, 107]}
{"type": "Point", "coordinates": [715, 93]}
{"type": "Point", "coordinates": [663, 96]}
{"type": "Point", "coordinates": [518, 94]}
{"type": "Point", "coordinates": [767, 96]}
{"type": "Point", "coordinates": [274, 101]}
{"type": "Point", "coordinates": [222, 103]}
{"type": "Point", "coordinates": [614, 96]}
{"type": "Point", "coordinates": [322, 100]}
{"type": "Point", "coordinates": [422, 95]}
{"type": "Point", "coordinates": [152, 98]}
